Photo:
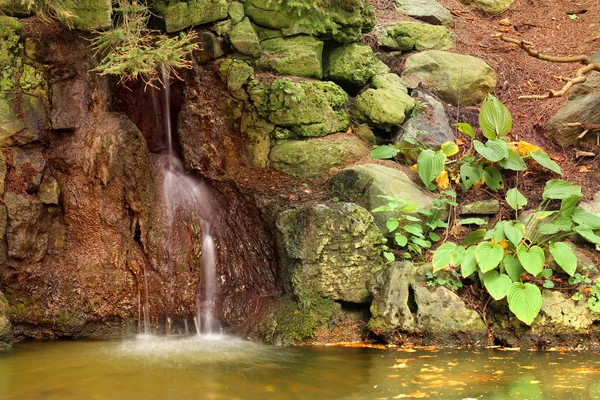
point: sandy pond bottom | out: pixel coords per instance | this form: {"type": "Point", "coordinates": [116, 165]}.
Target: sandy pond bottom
{"type": "Point", "coordinates": [219, 367]}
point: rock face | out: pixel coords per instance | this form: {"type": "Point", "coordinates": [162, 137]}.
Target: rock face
{"type": "Point", "coordinates": [330, 252]}
{"type": "Point", "coordinates": [296, 55]}
{"type": "Point", "coordinates": [179, 15]}
{"type": "Point", "coordinates": [244, 38]}
{"type": "Point", "coordinates": [490, 6]}
{"type": "Point", "coordinates": [364, 184]}
{"type": "Point", "coordinates": [428, 11]}
{"type": "Point", "coordinates": [89, 15]}
{"type": "Point", "coordinates": [353, 65]}
{"type": "Point", "coordinates": [5, 328]}
{"type": "Point", "coordinates": [455, 78]}
{"type": "Point", "coordinates": [317, 157]}
{"type": "Point", "coordinates": [407, 36]}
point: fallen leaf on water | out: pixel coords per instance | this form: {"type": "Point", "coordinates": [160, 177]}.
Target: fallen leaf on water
{"type": "Point", "coordinates": [407, 350]}
{"type": "Point", "coordinates": [568, 387]}
{"type": "Point", "coordinates": [452, 364]}
{"type": "Point", "coordinates": [535, 382]}
{"type": "Point", "coordinates": [427, 356]}
{"type": "Point", "coordinates": [398, 366]}
{"type": "Point", "coordinates": [432, 369]}
{"type": "Point", "coordinates": [498, 372]}
{"type": "Point", "coordinates": [527, 366]}
{"type": "Point", "coordinates": [393, 376]}
{"type": "Point", "coordinates": [413, 395]}
{"type": "Point", "coordinates": [429, 377]}
{"type": "Point", "coordinates": [510, 349]}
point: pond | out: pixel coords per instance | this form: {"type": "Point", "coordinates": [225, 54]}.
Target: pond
{"type": "Point", "coordinates": [220, 367]}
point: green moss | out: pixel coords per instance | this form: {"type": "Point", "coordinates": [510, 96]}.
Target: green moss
{"type": "Point", "coordinates": [179, 15]}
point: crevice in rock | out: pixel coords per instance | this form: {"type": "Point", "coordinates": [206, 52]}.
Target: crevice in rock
{"type": "Point", "coordinates": [411, 302]}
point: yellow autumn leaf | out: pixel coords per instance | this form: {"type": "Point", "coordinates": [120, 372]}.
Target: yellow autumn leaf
{"type": "Point", "coordinates": [413, 167]}
{"type": "Point", "coordinates": [449, 149]}
{"type": "Point", "coordinates": [442, 180]}
{"type": "Point", "coordinates": [523, 148]}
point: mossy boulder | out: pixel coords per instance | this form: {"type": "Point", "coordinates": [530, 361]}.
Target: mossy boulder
{"type": "Point", "coordinates": [353, 65]}
{"type": "Point", "coordinates": [179, 15]}
{"type": "Point", "coordinates": [490, 6]}
{"type": "Point", "coordinates": [236, 12]}
{"type": "Point", "coordinates": [5, 328]}
{"type": "Point", "coordinates": [244, 38]}
{"type": "Point", "coordinates": [297, 56]}
{"type": "Point", "coordinates": [344, 24]}
{"type": "Point", "coordinates": [407, 36]}
{"type": "Point", "coordinates": [88, 15]}
{"type": "Point", "coordinates": [429, 11]}
{"type": "Point", "coordinates": [317, 157]}
{"type": "Point", "coordinates": [235, 74]}
{"type": "Point", "coordinates": [306, 109]}
{"type": "Point", "coordinates": [364, 184]}
{"type": "Point", "coordinates": [457, 79]}
{"type": "Point", "coordinates": [329, 252]}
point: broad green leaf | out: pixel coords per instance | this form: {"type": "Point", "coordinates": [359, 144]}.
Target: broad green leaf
{"type": "Point", "coordinates": [586, 219]}
{"type": "Point", "coordinates": [494, 118]}
{"type": "Point", "coordinates": [558, 189]}
{"type": "Point", "coordinates": [593, 304]}
{"type": "Point", "coordinates": [474, 221]}
{"type": "Point", "coordinates": [513, 267]}
{"type": "Point", "coordinates": [515, 199]}
{"type": "Point", "coordinates": [496, 233]}
{"type": "Point", "coordinates": [525, 301]}
{"type": "Point", "coordinates": [400, 239]}
{"type": "Point", "coordinates": [492, 178]}
{"type": "Point", "coordinates": [443, 256]}
{"type": "Point", "coordinates": [542, 215]}
{"type": "Point", "coordinates": [429, 165]}
{"type": "Point", "coordinates": [587, 234]}
{"type": "Point", "coordinates": [458, 255]}
{"type": "Point", "coordinates": [389, 256]}
{"type": "Point", "coordinates": [392, 224]}
{"type": "Point", "coordinates": [409, 207]}
{"type": "Point", "coordinates": [514, 232]}
{"type": "Point", "coordinates": [513, 162]}
{"type": "Point", "coordinates": [414, 229]}
{"type": "Point", "coordinates": [548, 284]}
{"type": "Point", "coordinates": [470, 174]}
{"type": "Point", "coordinates": [469, 264]}
{"type": "Point", "coordinates": [449, 149]}
{"type": "Point", "coordinates": [421, 242]}
{"type": "Point", "coordinates": [473, 237]}
{"type": "Point", "coordinates": [531, 259]}
{"type": "Point", "coordinates": [497, 284]}
{"type": "Point", "coordinates": [564, 256]}
{"type": "Point", "coordinates": [493, 150]}
{"type": "Point", "coordinates": [488, 256]}
{"type": "Point", "coordinates": [411, 218]}
{"type": "Point", "coordinates": [567, 206]}
{"type": "Point", "coordinates": [548, 228]}
{"type": "Point", "coordinates": [465, 128]}
{"type": "Point", "coordinates": [544, 160]}
{"type": "Point", "coordinates": [384, 152]}
{"type": "Point", "coordinates": [434, 236]}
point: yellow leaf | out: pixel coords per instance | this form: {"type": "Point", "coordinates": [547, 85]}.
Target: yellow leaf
{"type": "Point", "coordinates": [523, 148]}
{"type": "Point", "coordinates": [442, 180]}
{"type": "Point", "coordinates": [413, 167]}
{"type": "Point", "coordinates": [449, 149]}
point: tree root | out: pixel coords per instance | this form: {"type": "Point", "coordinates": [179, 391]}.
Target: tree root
{"type": "Point", "coordinates": [580, 76]}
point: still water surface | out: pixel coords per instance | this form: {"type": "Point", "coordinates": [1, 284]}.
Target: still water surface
{"type": "Point", "coordinates": [217, 367]}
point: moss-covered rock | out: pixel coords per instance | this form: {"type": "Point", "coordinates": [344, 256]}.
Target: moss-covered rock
{"type": "Point", "coordinates": [407, 36]}
{"type": "Point", "coordinates": [353, 65]}
{"type": "Point", "coordinates": [307, 109]}
{"type": "Point", "coordinates": [5, 328]}
{"type": "Point", "coordinates": [345, 24]}
{"type": "Point", "coordinates": [455, 78]}
{"type": "Point", "coordinates": [296, 55]}
{"type": "Point", "coordinates": [179, 15]}
{"type": "Point", "coordinates": [244, 38]}
{"type": "Point", "coordinates": [87, 15]}
{"type": "Point", "coordinates": [235, 74]}
{"type": "Point", "coordinates": [317, 157]}
{"type": "Point", "coordinates": [490, 6]}
{"type": "Point", "coordinates": [258, 143]}
{"type": "Point", "coordinates": [329, 252]}
{"type": "Point", "coordinates": [236, 12]}
{"type": "Point", "coordinates": [429, 11]}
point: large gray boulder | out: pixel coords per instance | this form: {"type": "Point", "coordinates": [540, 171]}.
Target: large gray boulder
{"type": "Point", "coordinates": [5, 328]}
{"type": "Point", "coordinates": [329, 252]}
{"type": "Point", "coordinates": [428, 11]}
{"type": "Point", "coordinates": [455, 78]}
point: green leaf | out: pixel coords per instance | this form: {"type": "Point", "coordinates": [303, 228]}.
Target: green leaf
{"type": "Point", "coordinates": [434, 236]}
{"type": "Point", "coordinates": [544, 160]}
{"type": "Point", "coordinates": [474, 221]}
{"type": "Point", "coordinates": [515, 199]}
{"type": "Point", "coordinates": [411, 218]}
{"type": "Point", "coordinates": [389, 256]}
{"type": "Point", "coordinates": [558, 189]}
{"type": "Point", "coordinates": [514, 232]}
{"type": "Point", "coordinates": [548, 228]}
{"type": "Point", "coordinates": [400, 239]}
{"type": "Point", "coordinates": [414, 229]}
{"type": "Point", "coordinates": [429, 165]}
{"type": "Point", "coordinates": [469, 264]}
{"type": "Point", "coordinates": [513, 162]}
{"type": "Point", "coordinates": [421, 242]}
{"type": "Point", "coordinates": [442, 256]}
{"type": "Point", "coordinates": [488, 256]}
{"type": "Point", "coordinates": [392, 224]}
{"type": "Point", "coordinates": [494, 150]}
{"type": "Point", "coordinates": [513, 267]}
{"type": "Point", "coordinates": [494, 118]}
{"type": "Point", "coordinates": [465, 128]}
{"type": "Point", "coordinates": [497, 284]}
{"type": "Point", "coordinates": [587, 234]}
{"type": "Point", "coordinates": [458, 255]}
{"type": "Point", "coordinates": [568, 205]}
{"type": "Point", "coordinates": [492, 178]}
{"type": "Point", "coordinates": [531, 259]}
{"type": "Point", "coordinates": [473, 237]}
{"type": "Point", "coordinates": [384, 152]}
{"type": "Point", "coordinates": [470, 174]}
{"type": "Point", "coordinates": [586, 219]}
{"type": "Point", "coordinates": [525, 301]}
{"type": "Point", "coordinates": [548, 284]}
{"type": "Point", "coordinates": [593, 304]}
{"type": "Point", "coordinates": [564, 256]}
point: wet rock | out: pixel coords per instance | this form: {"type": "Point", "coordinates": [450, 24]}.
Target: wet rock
{"type": "Point", "coordinates": [364, 184]}
{"type": "Point", "coordinates": [211, 46]}
{"type": "Point", "coordinates": [428, 11]}
{"type": "Point", "coordinates": [353, 65]}
{"type": "Point", "coordinates": [407, 36]}
{"type": "Point", "coordinates": [330, 252]}
{"type": "Point", "coordinates": [560, 315]}
{"type": "Point", "coordinates": [29, 165]}
{"type": "Point", "coordinates": [428, 124]}
{"type": "Point", "coordinates": [5, 328]}
{"type": "Point", "coordinates": [179, 15]}
{"type": "Point", "coordinates": [244, 38]}
{"type": "Point", "coordinates": [258, 144]}
{"type": "Point", "coordinates": [317, 157]}
{"type": "Point", "coordinates": [307, 108]}
{"type": "Point", "coordinates": [27, 231]}
{"type": "Point", "coordinates": [364, 132]}
{"type": "Point", "coordinates": [3, 171]}
{"type": "Point", "coordinates": [483, 207]}
{"type": "Point", "coordinates": [70, 103]}
{"type": "Point", "coordinates": [49, 190]}
{"type": "Point", "coordinates": [455, 78]}
{"type": "Point", "coordinates": [296, 56]}
{"type": "Point", "coordinates": [490, 6]}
